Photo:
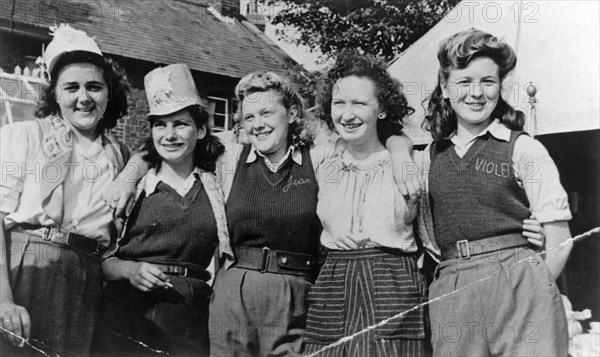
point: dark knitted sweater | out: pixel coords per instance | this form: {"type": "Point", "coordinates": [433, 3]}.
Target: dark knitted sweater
{"type": "Point", "coordinates": [476, 196]}
{"type": "Point", "coordinates": [169, 229]}
{"type": "Point", "coordinates": [276, 210]}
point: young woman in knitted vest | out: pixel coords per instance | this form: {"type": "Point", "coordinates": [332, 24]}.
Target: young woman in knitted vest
{"type": "Point", "coordinates": [485, 177]}
{"type": "Point", "coordinates": [157, 291]}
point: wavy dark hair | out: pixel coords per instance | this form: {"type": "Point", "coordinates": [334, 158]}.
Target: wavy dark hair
{"type": "Point", "coordinates": [300, 133]}
{"type": "Point", "coordinates": [115, 79]}
{"type": "Point", "coordinates": [456, 52]}
{"type": "Point", "coordinates": [207, 151]}
{"type": "Point", "coordinates": [388, 90]}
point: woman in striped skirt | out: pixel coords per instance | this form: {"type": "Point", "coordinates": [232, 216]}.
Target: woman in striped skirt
{"type": "Point", "coordinates": [370, 273]}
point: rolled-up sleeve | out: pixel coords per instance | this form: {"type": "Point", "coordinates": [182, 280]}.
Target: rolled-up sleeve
{"type": "Point", "coordinates": [424, 221]}
{"type": "Point", "coordinates": [539, 176]}
{"type": "Point", "coordinates": [14, 147]}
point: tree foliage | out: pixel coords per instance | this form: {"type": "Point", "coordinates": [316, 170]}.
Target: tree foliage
{"type": "Point", "coordinates": [383, 28]}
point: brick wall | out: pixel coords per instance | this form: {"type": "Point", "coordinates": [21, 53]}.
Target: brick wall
{"type": "Point", "coordinates": [133, 129]}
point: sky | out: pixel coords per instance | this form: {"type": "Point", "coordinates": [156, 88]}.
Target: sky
{"type": "Point", "coordinates": [301, 54]}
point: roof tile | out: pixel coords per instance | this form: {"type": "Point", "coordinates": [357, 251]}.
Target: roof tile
{"type": "Point", "coordinates": [160, 32]}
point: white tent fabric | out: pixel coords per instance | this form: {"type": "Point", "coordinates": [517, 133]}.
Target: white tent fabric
{"type": "Point", "coordinates": [558, 49]}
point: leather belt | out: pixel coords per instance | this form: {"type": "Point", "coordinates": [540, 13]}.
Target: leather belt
{"type": "Point", "coordinates": [55, 235]}
{"type": "Point", "coordinates": [464, 249]}
{"type": "Point", "coordinates": [266, 260]}
{"type": "Point", "coordinates": [183, 271]}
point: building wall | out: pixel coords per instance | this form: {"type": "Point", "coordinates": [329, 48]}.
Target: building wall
{"type": "Point", "coordinates": [133, 129]}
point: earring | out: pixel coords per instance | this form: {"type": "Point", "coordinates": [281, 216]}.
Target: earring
{"type": "Point", "coordinates": [380, 116]}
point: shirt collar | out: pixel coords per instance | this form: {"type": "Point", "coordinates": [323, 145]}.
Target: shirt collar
{"type": "Point", "coordinates": [496, 129]}
{"type": "Point", "coordinates": [295, 153]}
{"type": "Point", "coordinates": [152, 180]}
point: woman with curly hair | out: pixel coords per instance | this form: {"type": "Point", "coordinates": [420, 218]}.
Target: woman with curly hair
{"type": "Point", "coordinates": [370, 273]}
{"type": "Point", "coordinates": [54, 220]}
{"type": "Point", "coordinates": [486, 177]}
{"type": "Point", "coordinates": [157, 290]}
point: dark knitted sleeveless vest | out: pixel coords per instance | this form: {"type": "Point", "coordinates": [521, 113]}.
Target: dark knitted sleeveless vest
{"type": "Point", "coordinates": [166, 228]}
{"type": "Point", "coordinates": [275, 210]}
{"type": "Point", "coordinates": [476, 196]}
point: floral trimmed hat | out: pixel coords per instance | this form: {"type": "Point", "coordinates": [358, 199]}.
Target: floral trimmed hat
{"type": "Point", "coordinates": [66, 39]}
{"type": "Point", "coordinates": [170, 89]}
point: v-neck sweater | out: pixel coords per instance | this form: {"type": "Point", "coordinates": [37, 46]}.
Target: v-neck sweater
{"type": "Point", "coordinates": [477, 196]}
{"type": "Point", "coordinates": [277, 210]}
{"type": "Point", "coordinates": [167, 228]}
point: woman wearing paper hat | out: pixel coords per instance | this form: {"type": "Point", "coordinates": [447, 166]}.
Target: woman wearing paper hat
{"type": "Point", "coordinates": [157, 271]}
{"type": "Point", "coordinates": [54, 219]}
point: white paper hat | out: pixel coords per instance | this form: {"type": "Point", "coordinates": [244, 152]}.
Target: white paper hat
{"type": "Point", "coordinates": [67, 39]}
{"type": "Point", "coordinates": [170, 89]}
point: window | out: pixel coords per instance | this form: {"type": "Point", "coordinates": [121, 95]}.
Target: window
{"type": "Point", "coordinates": [220, 117]}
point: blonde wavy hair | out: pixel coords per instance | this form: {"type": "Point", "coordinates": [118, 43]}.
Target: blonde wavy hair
{"type": "Point", "coordinates": [301, 131]}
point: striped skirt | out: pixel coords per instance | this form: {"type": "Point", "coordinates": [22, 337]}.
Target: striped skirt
{"type": "Point", "coordinates": [361, 288]}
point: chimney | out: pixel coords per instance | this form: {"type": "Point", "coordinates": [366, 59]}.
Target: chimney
{"type": "Point", "coordinates": [226, 7]}
{"type": "Point", "coordinates": [255, 13]}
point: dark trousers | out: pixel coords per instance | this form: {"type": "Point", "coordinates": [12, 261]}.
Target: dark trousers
{"type": "Point", "coordinates": [173, 320]}
{"type": "Point", "coordinates": [61, 289]}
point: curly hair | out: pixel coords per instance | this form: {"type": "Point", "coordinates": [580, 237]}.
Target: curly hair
{"type": "Point", "coordinates": [114, 76]}
{"type": "Point", "coordinates": [300, 132]}
{"type": "Point", "coordinates": [207, 151]}
{"type": "Point", "coordinates": [456, 52]}
{"type": "Point", "coordinates": [388, 91]}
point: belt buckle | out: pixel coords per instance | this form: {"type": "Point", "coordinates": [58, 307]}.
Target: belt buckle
{"type": "Point", "coordinates": [185, 273]}
{"type": "Point", "coordinates": [459, 245]}
{"type": "Point", "coordinates": [46, 233]}
{"type": "Point", "coordinates": [263, 263]}
{"type": "Point", "coordinates": [61, 238]}
{"type": "Point", "coordinates": [97, 250]}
